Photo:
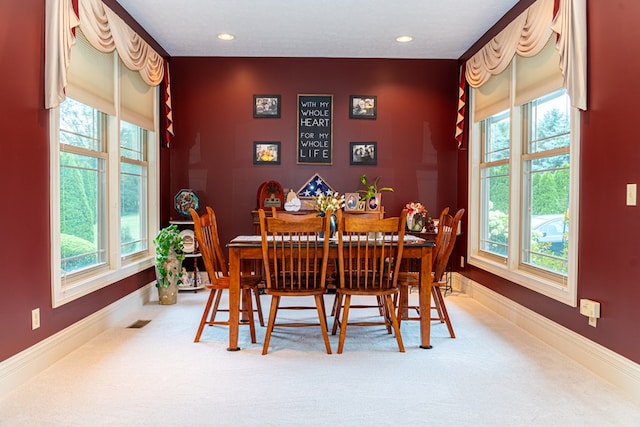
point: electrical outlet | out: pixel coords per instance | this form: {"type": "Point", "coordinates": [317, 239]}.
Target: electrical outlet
{"type": "Point", "coordinates": [461, 262]}
{"type": "Point", "coordinates": [632, 191]}
{"type": "Point", "coordinates": [35, 318]}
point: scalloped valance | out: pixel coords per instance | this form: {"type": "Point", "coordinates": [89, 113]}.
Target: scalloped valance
{"type": "Point", "coordinates": [105, 31]}
{"type": "Point", "coordinates": [528, 34]}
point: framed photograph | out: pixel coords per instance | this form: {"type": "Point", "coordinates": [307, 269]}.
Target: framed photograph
{"type": "Point", "coordinates": [363, 107]}
{"type": "Point", "coordinates": [266, 106]}
{"type": "Point", "coordinates": [352, 202]}
{"type": "Point", "coordinates": [363, 153]}
{"type": "Point", "coordinates": [266, 152]}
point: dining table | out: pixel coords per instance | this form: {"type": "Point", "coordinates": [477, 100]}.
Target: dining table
{"type": "Point", "coordinates": [249, 248]}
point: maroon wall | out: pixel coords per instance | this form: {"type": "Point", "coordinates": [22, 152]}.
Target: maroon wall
{"type": "Point", "coordinates": [24, 172]}
{"type": "Point", "coordinates": [212, 105]}
{"type": "Point", "coordinates": [609, 249]}
{"type": "Point", "coordinates": [215, 129]}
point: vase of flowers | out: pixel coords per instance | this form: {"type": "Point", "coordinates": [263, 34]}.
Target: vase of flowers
{"type": "Point", "coordinates": [329, 201]}
{"type": "Point", "coordinates": [417, 216]}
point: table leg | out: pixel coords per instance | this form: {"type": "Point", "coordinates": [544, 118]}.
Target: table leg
{"type": "Point", "coordinates": [234, 298]}
{"type": "Point", "coordinates": [425, 299]}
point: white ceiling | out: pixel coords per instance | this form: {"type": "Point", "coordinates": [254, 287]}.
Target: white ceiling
{"type": "Point", "coordinates": [441, 29]}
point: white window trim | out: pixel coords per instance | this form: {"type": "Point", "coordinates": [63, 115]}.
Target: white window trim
{"type": "Point", "coordinates": [511, 269]}
{"type": "Point", "coordinates": [63, 291]}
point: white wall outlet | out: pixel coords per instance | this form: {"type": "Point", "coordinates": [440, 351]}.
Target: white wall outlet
{"type": "Point", "coordinates": [461, 262]}
{"type": "Point", "coordinates": [632, 192]}
{"type": "Point", "coordinates": [591, 309]}
{"type": "Point", "coordinates": [35, 318]}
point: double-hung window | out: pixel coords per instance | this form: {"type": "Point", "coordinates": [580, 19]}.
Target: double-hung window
{"type": "Point", "coordinates": [104, 177]}
{"type": "Point", "coordinates": [523, 189]}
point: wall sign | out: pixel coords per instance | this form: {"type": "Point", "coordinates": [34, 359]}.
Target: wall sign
{"type": "Point", "coordinates": [315, 129]}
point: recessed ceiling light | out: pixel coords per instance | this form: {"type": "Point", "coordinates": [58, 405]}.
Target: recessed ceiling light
{"type": "Point", "coordinates": [404, 39]}
{"type": "Point", "coordinates": [226, 36]}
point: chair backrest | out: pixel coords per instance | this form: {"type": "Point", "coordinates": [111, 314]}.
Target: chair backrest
{"type": "Point", "coordinates": [441, 220]}
{"type": "Point", "coordinates": [370, 251]}
{"type": "Point", "coordinates": [206, 231]}
{"type": "Point", "coordinates": [447, 233]}
{"type": "Point", "coordinates": [294, 255]}
{"type": "Point", "coordinates": [291, 215]}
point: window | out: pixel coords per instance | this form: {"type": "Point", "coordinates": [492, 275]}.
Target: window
{"type": "Point", "coordinates": [523, 182]}
{"type": "Point", "coordinates": [104, 177]}
{"type": "Point", "coordinates": [133, 189]}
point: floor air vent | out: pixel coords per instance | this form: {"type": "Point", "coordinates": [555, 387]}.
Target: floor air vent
{"type": "Point", "coordinates": [139, 324]}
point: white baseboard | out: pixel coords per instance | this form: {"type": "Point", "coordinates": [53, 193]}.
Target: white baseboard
{"type": "Point", "coordinates": [602, 361]}
{"type": "Point", "coordinates": [26, 364]}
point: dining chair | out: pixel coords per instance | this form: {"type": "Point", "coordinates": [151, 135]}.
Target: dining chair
{"type": "Point", "coordinates": [445, 241]}
{"type": "Point", "coordinates": [295, 265]}
{"type": "Point", "coordinates": [206, 231]}
{"type": "Point", "coordinates": [379, 214]}
{"type": "Point", "coordinates": [369, 258]}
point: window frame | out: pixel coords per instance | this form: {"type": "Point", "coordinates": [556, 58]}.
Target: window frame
{"type": "Point", "coordinates": [117, 267]}
{"type": "Point", "coordinates": [511, 268]}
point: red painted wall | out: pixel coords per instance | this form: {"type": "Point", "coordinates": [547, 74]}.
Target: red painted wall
{"type": "Point", "coordinates": [609, 248]}
{"type": "Point", "coordinates": [24, 174]}
{"type": "Point", "coordinates": [212, 105]}
{"type": "Point", "coordinates": [215, 129]}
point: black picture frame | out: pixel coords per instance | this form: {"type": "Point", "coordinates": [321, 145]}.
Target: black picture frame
{"type": "Point", "coordinates": [363, 153]}
{"type": "Point", "coordinates": [363, 107]}
{"type": "Point", "coordinates": [266, 106]}
{"type": "Point", "coordinates": [266, 152]}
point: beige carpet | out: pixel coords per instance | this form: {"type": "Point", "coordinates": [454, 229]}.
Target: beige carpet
{"type": "Point", "coordinates": [493, 374]}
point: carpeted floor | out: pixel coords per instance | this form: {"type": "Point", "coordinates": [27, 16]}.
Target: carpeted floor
{"type": "Point", "coordinates": [492, 374]}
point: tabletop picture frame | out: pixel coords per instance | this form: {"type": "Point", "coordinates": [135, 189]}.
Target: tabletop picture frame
{"type": "Point", "coordinates": [266, 152]}
{"type": "Point", "coordinates": [363, 107]}
{"type": "Point", "coordinates": [363, 153]}
{"type": "Point", "coordinates": [266, 106]}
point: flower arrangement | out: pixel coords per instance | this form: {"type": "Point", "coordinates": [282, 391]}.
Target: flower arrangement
{"type": "Point", "coordinates": [415, 207]}
{"type": "Point", "coordinates": [331, 200]}
{"type": "Point", "coordinates": [418, 218]}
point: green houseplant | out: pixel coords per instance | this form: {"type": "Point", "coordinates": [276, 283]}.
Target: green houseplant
{"type": "Point", "coordinates": [169, 257]}
{"type": "Point", "coordinates": [371, 192]}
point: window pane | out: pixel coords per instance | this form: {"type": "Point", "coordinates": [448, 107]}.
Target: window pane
{"type": "Point", "coordinates": [494, 210]}
{"type": "Point", "coordinates": [546, 184]}
{"type": "Point", "coordinates": [549, 121]}
{"type": "Point", "coordinates": [133, 189]}
{"type": "Point", "coordinates": [496, 130]}
{"type": "Point", "coordinates": [132, 142]}
{"type": "Point", "coordinates": [80, 125]}
{"type": "Point", "coordinates": [82, 185]}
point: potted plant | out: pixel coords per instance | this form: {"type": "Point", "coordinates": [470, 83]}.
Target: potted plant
{"type": "Point", "coordinates": [371, 193]}
{"type": "Point", "coordinates": [169, 257]}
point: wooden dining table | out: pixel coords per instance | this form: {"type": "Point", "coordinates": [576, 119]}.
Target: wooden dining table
{"type": "Point", "coordinates": [243, 248]}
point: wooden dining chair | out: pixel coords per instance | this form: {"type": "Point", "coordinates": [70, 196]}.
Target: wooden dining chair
{"type": "Point", "coordinates": [206, 231]}
{"type": "Point", "coordinates": [445, 241]}
{"type": "Point", "coordinates": [295, 265]}
{"type": "Point", "coordinates": [379, 214]}
{"type": "Point", "coordinates": [369, 258]}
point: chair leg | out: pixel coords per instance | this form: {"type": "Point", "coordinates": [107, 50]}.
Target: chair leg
{"type": "Point", "coordinates": [275, 300]}
{"type": "Point", "coordinates": [445, 314]}
{"type": "Point", "coordinates": [322, 316]}
{"type": "Point", "coordinates": [402, 299]}
{"type": "Point", "coordinates": [343, 324]}
{"type": "Point", "coordinates": [203, 320]}
{"type": "Point", "coordinates": [256, 293]}
{"type": "Point", "coordinates": [218, 293]}
{"type": "Point", "coordinates": [437, 305]}
{"type": "Point", "coordinates": [394, 322]}
{"type": "Point", "coordinates": [337, 305]}
{"type": "Point", "coordinates": [246, 295]}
